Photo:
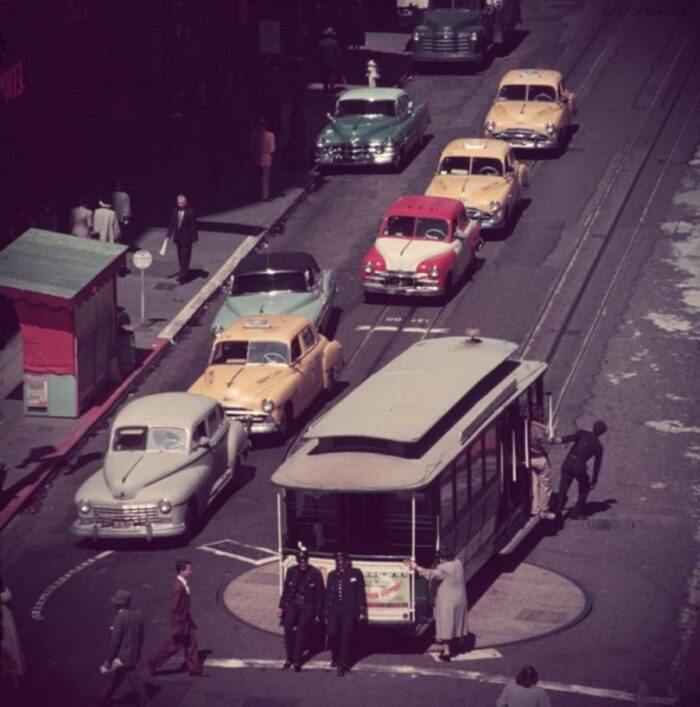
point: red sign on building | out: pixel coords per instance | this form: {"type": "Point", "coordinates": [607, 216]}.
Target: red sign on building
{"type": "Point", "coordinates": [12, 82]}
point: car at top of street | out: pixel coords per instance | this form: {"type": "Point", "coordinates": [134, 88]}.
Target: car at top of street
{"type": "Point", "coordinates": [485, 176]}
{"type": "Point", "coordinates": [532, 110]}
{"type": "Point", "coordinates": [267, 371]}
{"type": "Point", "coordinates": [372, 126]}
{"type": "Point", "coordinates": [463, 30]}
{"type": "Point", "coordinates": [169, 455]}
{"type": "Point", "coordinates": [425, 246]}
{"type": "Point", "coordinates": [285, 282]}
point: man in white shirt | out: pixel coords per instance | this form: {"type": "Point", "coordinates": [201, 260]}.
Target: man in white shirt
{"type": "Point", "coordinates": [104, 222]}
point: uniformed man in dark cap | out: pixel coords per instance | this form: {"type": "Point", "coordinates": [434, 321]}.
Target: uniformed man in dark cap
{"type": "Point", "coordinates": [586, 445]}
{"type": "Point", "coordinates": [300, 605]}
{"type": "Point", "coordinates": [346, 606]}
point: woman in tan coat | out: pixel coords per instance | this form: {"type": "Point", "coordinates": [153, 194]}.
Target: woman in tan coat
{"type": "Point", "coordinates": [450, 611]}
{"type": "Point", "coordinates": [12, 657]}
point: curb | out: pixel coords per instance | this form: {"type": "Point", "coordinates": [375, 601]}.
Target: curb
{"type": "Point", "coordinates": [93, 417]}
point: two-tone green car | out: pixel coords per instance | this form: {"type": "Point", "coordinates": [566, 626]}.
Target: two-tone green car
{"type": "Point", "coordinates": [372, 126]}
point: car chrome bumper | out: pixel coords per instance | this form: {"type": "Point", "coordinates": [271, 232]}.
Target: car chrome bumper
{"type": "Point", "coordinates": [379, 285]}
{"type": "Point", "coordinates": [345, 160]}
{"type": "Point", "coordinates": [255, 422]}
{"type": "Point", "coordinates": [486, 221]}
{"type": "Point", "coordinates": [90, 528]}
{"type": "Point", "coordinates": [526, 142]}
{"type": "Point", "coordinates": [451, 57]}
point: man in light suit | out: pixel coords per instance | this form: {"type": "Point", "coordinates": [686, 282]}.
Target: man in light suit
{"type": "Point", "coordinates": [104, 222]}
{"type": "Point", "coordinates": [183, 633]}
{"type": "Point", "coordinates": [182, 229]}
{"type": "Point", "coordinates": [125, 643]}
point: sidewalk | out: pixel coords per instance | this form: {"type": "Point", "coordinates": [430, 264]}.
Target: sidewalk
{"type": "Point", "coordinates": [230, 226]}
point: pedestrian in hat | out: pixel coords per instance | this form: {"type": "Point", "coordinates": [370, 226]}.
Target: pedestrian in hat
{"type": "Point", "coordinates": [122, 208]}
{"type": "Point", "coordinates": [125, 646]}
{"type": "Point", "coordinates": [300, 607]}
{"type": "Point", "coordinates": [183, 630]}
{"type": "Point", "coordinates": [183, 230]}
{"type": "Point", "coordinates": [450, 611]}
{"type": "Point", "coordinates": [345, 608]}
{"type": "Point", "coordinates": [586, 446]}
{"type": "Point", "coordinates": [329, 56]}
{"type": "Point", "coordinates": [104, 221]}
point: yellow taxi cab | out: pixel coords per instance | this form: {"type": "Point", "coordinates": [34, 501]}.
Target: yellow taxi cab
{"type": "Point", "coordinates": [267, 371]}
{"type": "Point", "coordinates": [532, 110]}
{"type": "Point", "coordinates": [485, 176]}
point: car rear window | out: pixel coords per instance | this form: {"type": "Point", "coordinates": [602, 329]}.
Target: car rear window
{"type": "Point", "coordinates": [256, 283]}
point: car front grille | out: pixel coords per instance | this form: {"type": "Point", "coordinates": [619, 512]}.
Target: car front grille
{"type": "Point", "coordinates": [521, 134]}
{"type": "Point", "coordinates": [353, 152]}
{"type": "Point", "coordinates": [245, 414]}
{"type": "Point", "coordinates": [439, 44]}
{"type": "Point", "coordinates": [129, 514]}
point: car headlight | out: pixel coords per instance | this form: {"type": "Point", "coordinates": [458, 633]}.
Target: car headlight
{"type": "Point", "coordinates": [474, 37]}
{"type": "Point", "coordinates": [550, 128]}
{"type": "Point", "coordinates": [268, 406]}
{"type": "Point", "coordinates": [495, 206]}
{"type": "Point", "coordinates": [417, 36]}
{"type": "Point", "coordinates": [321, 143]}
{"type": "Point", "coordinates": [389, 143]}
{"type": "Point", "coordinates": [84, 506]}
{"type": "Point", "coordinates": [490, 126]}
{"type": "Point", "coordinates": [164, 506]}
{"type": "Point", "coordinates": [216, 330]}
{"type": "Point", "coordinates": [434, 271]}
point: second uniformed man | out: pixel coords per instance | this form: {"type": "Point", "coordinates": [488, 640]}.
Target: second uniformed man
{"type": "Point", "coordinates": [300, 605]}
{"type": "Point", "coordinates": [346, 606]}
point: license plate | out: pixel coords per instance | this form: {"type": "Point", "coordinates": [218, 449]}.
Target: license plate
{"type": "Point", "coordinates": [123, 524]}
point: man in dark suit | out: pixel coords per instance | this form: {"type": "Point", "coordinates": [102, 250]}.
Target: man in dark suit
{"type": "Point", "coordinates": [183, 633]}
{"type": "Point", "coordinates": [346, 606]}
{"type": "Point", "coordinates": [183, 230]}
{"type": "Point", "coordinates": [301, 604]}
{"type": "Point", "coordinates": [125, 645]}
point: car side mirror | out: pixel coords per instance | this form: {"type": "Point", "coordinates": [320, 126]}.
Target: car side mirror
{"type": "Point", "coordinates": [564, 99]}
{"type": "Point", "coordinates": [329, 116]}
{"type": "Point", "coordinates": [203, 443]}
{"type": "Point", "coordinates": [229, 285]}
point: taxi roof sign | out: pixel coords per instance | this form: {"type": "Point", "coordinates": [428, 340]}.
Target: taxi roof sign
{"type": "Point", "coordinates": [256, 323]}
{"type": "Point", "coordinates": [475, 144]}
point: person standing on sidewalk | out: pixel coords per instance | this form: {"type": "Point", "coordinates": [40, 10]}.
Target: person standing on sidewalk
{"type": "Point", "coordinates": [122, 208]}
{"type": "Point", "coordinates": [523, 691]}
{"type": "Point", "coordinates": [300, 606]}
{"type": "Point", "coordinates": [451, 614]}
{"type": "Point", "coordinates": [183, 631]}
{"type": "Point", "coordinates": [125, 646]}
{"type": "Point", "coordinates": [104, 222]}
{"type": "Point", "coordinates": [329, 56]}
{"type": "Point", "coordinates": [81, 219]}
{"type": "Point", "coordinates": [539, 466]}
{"type": "Point", "coordinates": [345, 607]}
{"type": "Point", "coordinates": [183, 230]}
{"type": "Point", "coordinates": [262, 146]}
{"type": "Point", "coordinates": [586, 445]}
{"type": "Point", "coordinates": [12, 661]}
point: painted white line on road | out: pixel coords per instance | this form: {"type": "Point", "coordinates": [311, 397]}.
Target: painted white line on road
{"type": "Point", "coordinates": [272, 554]}
{"type": "Point", "coordinates": [44, 596]}
{"type": "Point", "coordinates": [471, 675]}
{"type": "Point", "coordinates": [408, 329]}
{"type": "Point", "coordinates": [478, 654]}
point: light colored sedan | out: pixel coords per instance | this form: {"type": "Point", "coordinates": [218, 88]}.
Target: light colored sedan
{"type": "Point", "coordinates": [169, 455]}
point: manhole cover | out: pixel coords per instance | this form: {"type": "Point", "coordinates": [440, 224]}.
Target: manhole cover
{"type": "Point", "coordinates": [240, 551]}
{"type": "Point", "coordinates": [164, 286]}
{"type": "Point", "coordinates": [603, 524]}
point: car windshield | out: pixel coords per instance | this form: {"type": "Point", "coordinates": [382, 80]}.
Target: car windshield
{"type": "Point", "coordinates": [459, 166]}
{"type": "Point", "coordinates": [523, 92]}
{"type": "Point", "coordinates": [255, 283]}
{"type": "Point", "coordinates": [455, 4]}
{"type": "Point", "coordinates": [361, 107]}
{"type": "Point", "coordinates": [487, 166]}
{"type": "Point", "coordinates": [149, 439]}
{"type": "Point", "coordinates": [409, 226]}
{"type": "Point", "coordinates": [233, 352]}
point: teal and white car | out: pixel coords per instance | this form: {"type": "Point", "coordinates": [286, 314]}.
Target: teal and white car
{"type": "Point", "coordinates": [286, 282]}
{"type": "Point", "coordinates": [372, 126]}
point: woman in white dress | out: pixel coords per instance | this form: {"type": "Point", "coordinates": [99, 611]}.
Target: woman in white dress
{"type": "Point", "coordinates": [451, 615]}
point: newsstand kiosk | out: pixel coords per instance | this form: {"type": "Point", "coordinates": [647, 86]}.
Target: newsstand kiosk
{"type": "Point", "coordinates": [64, 290]}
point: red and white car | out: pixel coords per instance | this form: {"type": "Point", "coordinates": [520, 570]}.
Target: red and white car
{"type": "Point", "coordinates": [425, 246]}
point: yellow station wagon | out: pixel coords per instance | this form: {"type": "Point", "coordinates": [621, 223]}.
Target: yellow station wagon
{"type": "Point", "coordinates": [532, 110]}
{"type": "Point", "coordinates": [485, 176]}
{"type": "Point", "coordinates": [266, 371]}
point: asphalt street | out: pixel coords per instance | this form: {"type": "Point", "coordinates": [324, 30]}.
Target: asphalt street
{"type": "Point", "coordinates": [599, 274]}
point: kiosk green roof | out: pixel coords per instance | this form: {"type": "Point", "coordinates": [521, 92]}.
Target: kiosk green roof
{"type": "Point", "coordinates": [55, 264]}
